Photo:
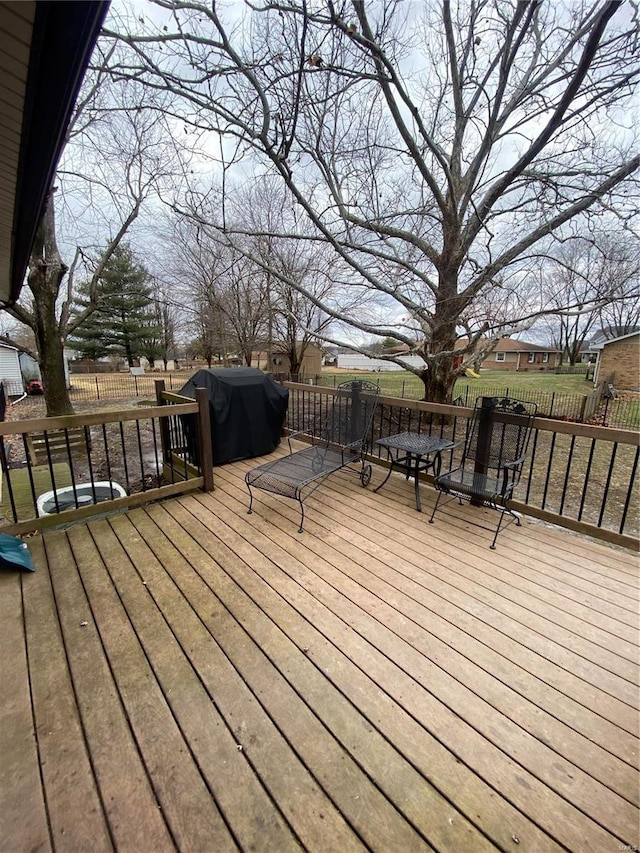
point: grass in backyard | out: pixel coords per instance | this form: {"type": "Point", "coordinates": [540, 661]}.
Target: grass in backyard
{"type": "Point", "coordinates": [405, 384]}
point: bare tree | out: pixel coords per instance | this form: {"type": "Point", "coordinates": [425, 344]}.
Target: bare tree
{"type": "Point", "coordinates": [291, 278]}
{"type": "Point", "coordinates": [223, 286]}
{"type": "Point", "coordinates": [159, 343]}
{"type": "Point", "coordinates": [289, 267]}
{"type": "Point", "coordinates": [621, 268]}
{"type": "Point", "coordinates": [432, 146]}
{"type": "Point", "coordinates": [591, 280]}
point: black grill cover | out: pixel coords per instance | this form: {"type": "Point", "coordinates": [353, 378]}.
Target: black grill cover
{"type": "Point", "coordinates": [247, 411]}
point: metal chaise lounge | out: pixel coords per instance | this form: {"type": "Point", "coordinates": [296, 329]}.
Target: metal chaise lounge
{"type": "Point", "coordinates": [342, 441]}
{"type": "Point", "coordinates": [494, 452]}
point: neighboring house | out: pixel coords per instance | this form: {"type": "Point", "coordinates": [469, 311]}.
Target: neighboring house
{"type": "Point", "coordinates": [619, 362]}
{"type": "Point", "coordinates": [10, 373]}
{"type": "Point", "coordinates": [511, 354]}
{"type": "Point", "coordinates": [311, 361]}
{"type": "Point", "coordinates": [330, 356]}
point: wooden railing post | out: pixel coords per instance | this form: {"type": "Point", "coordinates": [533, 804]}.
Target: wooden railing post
{"type": "Point", "coordinates": [204, 439]}
{"type": "Point", "coordinates": [165, 438]}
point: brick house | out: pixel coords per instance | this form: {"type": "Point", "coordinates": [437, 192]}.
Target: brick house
{"type": "Point", "coordinates": [510, 354]}
{"type": "Point", "coordinates": [619, 358]}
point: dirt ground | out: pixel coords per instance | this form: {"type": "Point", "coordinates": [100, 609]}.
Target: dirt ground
{"type": "Point", "coordinates": [128, 455]}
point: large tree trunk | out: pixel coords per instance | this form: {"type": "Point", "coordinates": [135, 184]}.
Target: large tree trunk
{"type": "Point", "coordinates": [439, 379]}
{"type": "Point", "coordinates": [46, 271]}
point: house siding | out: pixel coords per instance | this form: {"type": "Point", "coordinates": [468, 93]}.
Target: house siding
{"type": "Point", "coordinates": [10, 373]}
{"type": "Point", "coordinates": [621, 359]}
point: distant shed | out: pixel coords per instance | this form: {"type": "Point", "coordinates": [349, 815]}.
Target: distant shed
{"type": "Point", "coordinates": [10, 373]}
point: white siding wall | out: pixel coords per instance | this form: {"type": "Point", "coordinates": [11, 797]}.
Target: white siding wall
{"type": "Point", "coordinates": [355, 361]}
{"type": "Point", "coordinates": [10, 372]}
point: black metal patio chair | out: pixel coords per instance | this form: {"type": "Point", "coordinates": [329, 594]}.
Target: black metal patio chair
{"type": "Point", "coordinates": [343, 441]}
{"type": "Point", "coordinates": [495, 449]}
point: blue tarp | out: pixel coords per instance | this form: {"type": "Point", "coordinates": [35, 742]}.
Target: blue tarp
{"type": "Point", "coordinates": [14, 553]}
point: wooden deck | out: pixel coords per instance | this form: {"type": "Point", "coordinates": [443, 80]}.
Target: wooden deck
{"type": "Point", "coordinates": [188, 676]}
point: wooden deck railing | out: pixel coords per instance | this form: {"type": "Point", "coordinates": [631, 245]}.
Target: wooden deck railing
{"type": "Point", "coordinates": [581, 477]}
{"type": "Point", "coordinates": [152, 452]}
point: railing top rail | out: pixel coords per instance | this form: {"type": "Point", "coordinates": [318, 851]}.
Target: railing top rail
{"type": "Point", "coordinates": [622, 436]}
{"type": "Point", "coordinates": [97, 418]}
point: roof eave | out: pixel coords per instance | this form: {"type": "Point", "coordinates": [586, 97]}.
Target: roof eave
{"type": "Point", "coordinates": [63, 37]}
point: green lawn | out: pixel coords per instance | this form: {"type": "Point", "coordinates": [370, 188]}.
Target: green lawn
{"type": "Point", "coordinates": [404, 384]}
{"type": "Point", "coordinates": [556, 395]}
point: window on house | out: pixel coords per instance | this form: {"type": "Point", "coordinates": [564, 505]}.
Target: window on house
{"type": "Point", "coordinates": [532, 357]}
{"type": "Point", "coordinates": [500, 356]}
{"type": "Point", "coordinates": [545, 357]}
{"type": "Point", "coordinates": [277, 361]}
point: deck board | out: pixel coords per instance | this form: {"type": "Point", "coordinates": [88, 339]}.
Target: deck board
{"type": "Point", "coordinates": [19, 766]}
{"type": "Point", "coordinates": [130, 805]}
{"type": "Point", "coordinates": [380, 762]}
{"type": "Point", "coordinates": [314, 744]}
{"type": "Point", "coordinates": [125, 622]}
{"type": "Point", "coordinates": [331, 635]}
{"type": "Point", "coordinates": [470, 662]}
{"type": "Point", "coordinates": [374, 683]}
{"type": "Point", "coordinates": [448, 701]}
{"type": "Point", "coordinates": [471, 572]}
{"type": "Point", "coordinates": [74, 803]}
{"type": "Point", "coordinates": [472, 563]}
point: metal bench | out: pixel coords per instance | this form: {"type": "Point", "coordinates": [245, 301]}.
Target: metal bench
{"type": "Point", "coordinates": [342, 442]}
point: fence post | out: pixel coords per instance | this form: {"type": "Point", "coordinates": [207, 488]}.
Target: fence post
{"type": "Point", "coordinates": [135, 382]}
{"type": "Point", "coordinates": [97, 388]}
{"type": "Point", "coordinates": [204, 437]}
{"type": "Point", "coordinates": [583, 409]}
{"type": "Point", "coordinates": [553, 397]}
{"type": "Point", "coordinates": [165, 439]}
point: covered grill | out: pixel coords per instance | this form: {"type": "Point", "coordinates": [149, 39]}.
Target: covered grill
{"type": "Point", "coordinates": [247, 411]}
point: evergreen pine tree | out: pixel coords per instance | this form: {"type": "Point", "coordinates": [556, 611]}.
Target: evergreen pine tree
{"type": "Point", "coordinates": [125, 319]}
